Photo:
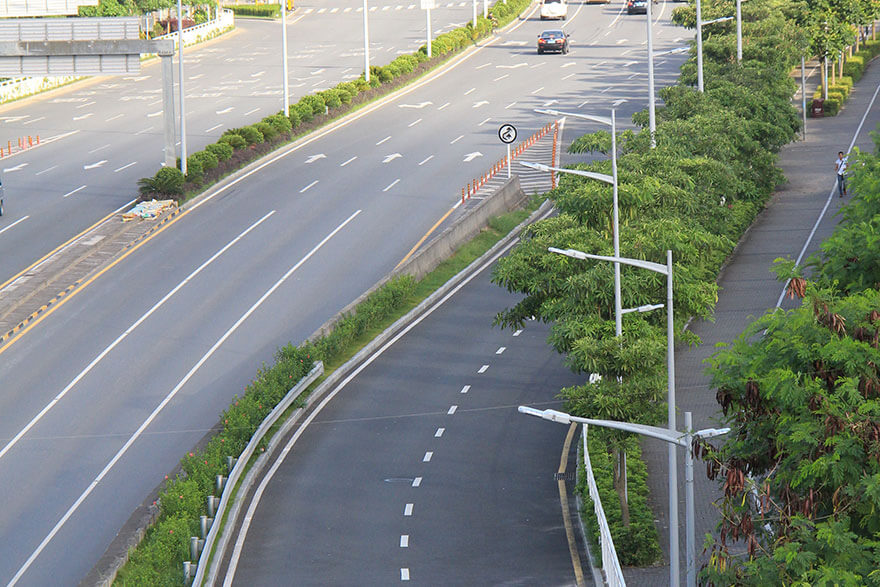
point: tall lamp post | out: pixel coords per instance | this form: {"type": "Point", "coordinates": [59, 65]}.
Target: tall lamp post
{"type": "Point", "coordinates": [284, 84]}
{"type": "Point", "coordinates": [180, 86]}
{"type": "Point", "coordinates": [366, 43]}
{"type": "Point", "coordinates": [674, 438]}
{"type": "Point", "coordinates": [612, 122]}
{"type": "Point", "coordinates": [652, 119]}
{"type": "Point", "coordinates": [670, 383]}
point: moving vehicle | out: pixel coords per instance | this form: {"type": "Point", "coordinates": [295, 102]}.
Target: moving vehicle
{"type": "Point", "coordinates": [636, 6]}
{"type": "Point", "coordinates": [553, 40]}
{"type": "Point", "coordinates": [554, 9]}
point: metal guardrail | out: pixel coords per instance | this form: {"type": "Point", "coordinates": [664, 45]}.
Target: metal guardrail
{"type": "Point", "coordinates": [610, 562]}
{"type": "Point", "coordinates": [241, 464]}
{"type": "Point", "coordinates": [225, 19]}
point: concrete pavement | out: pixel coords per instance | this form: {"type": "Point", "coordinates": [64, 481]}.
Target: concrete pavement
{"type": "Point", "coordinates": [799, 216]}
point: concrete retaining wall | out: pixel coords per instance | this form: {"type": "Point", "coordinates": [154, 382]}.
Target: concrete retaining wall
{"type": "Point", "coordinates": [506, 198]}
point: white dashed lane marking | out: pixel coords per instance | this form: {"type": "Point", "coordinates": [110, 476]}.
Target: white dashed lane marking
{"type": "Point", "coordinates": [427, 457]}
{"type": "Point", "coordinates": [417, 481]}
{"type": "Point", "coordinates": [404, 541]}
{"type": "Point", "coordinates": [483, 369]}
{"type": "Point", "coordinates": [451, 410]}
{"type": "Point", "coordinates": [407, 509]}
{"type": "Point", "coordinates": [439, 432]}
{"type": "Point", "coordinates": [500, 350]}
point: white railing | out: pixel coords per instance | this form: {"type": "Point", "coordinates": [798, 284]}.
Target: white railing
{"type": "Point", "coordinates": [610, 562]}
{"type": "Point", "coordinates": [207, 30]}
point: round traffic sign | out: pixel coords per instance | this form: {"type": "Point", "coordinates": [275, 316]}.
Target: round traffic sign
{"type": "Point", "coordinates": [507, 133]}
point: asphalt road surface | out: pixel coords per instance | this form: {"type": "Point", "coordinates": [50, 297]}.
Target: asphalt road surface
{"type": "Point", "coordinates": [106, 391]}
{"type": "Point", "coordinates": [421, 469]}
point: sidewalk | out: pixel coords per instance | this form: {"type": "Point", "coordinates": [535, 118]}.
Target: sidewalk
{"type": "Point", "coordinates": [748, 289]}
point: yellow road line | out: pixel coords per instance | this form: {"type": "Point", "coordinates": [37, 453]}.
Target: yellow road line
{"type": "Point", "coordinates": [55, 250]}
{"type": "Point", "coordinates": [566, 517]}
{"type": "Point", "coordinates": [62, 298]}
{"type": "Point", "coordinates": [427, 234]}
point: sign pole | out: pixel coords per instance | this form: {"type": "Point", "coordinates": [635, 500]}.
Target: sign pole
{"type": "Point", "coordinates": [508, 161]}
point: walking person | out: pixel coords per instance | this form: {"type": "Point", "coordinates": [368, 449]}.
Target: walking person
{"type": "Point", "coordinates": [840, 167]}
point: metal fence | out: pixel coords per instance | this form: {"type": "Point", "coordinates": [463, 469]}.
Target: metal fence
{"type": "Point", "coordinates": [610, 563]}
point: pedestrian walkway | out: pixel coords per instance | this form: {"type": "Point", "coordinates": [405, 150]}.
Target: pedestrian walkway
{"type": "Point", "coordinates": [787, 228]}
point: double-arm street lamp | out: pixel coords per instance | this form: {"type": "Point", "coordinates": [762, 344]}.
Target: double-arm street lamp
{"type": "Point", "coordinates": [674, 438]}
{"type": "Point", "coordinates": [612, 179]}
{"type": "Point", "coordinates": [701, 22]}
{"type": "Point", "coordinates": [670, 383]}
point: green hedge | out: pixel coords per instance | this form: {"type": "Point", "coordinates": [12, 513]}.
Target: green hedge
{"type": "Point", "coordinates": [255, 10]}
{"type": "Point", "coordinates": [158, 560]}
{"type": "Point", "coordinates": [636, 544]}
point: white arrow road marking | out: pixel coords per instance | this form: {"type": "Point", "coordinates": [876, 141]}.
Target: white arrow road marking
{"type": "Point", "coordinates": [391, 157]}
{"type": "Point", "coordinates": [84, 116]}
{"type": "Point", "coordinates": [518, 65]}
{"type": "Point", "coordinates": [419, 105]}
{"type": "Point", "coordinates": [18, 167]}
{"type": "Point", "coordinates": [225, 110]}
{"type": "Point", "coordinates": [480, 103]}
{"type": "Point", "coordinates": [314, 158]}
{"type": "Point", "coordinates": [95, 165]}
{"type": "Point", "coordinates": [471, 156]}
{"type": "Point", "coordinates": [82, 187]}
{"type": "Point", "coordinates": [619, 102]}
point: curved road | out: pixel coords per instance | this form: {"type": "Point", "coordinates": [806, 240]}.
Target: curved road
{"type": "Point", "coordinates": [104, 393]}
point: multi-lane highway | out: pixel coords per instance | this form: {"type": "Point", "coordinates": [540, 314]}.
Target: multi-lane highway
{"type": "Point", "coordinates": [102, 396]}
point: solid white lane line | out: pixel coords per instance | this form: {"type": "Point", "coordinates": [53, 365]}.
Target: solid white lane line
{"type": "Point", "coordinates": [439, 432]}
{"type": "Point", "coordinates": [308, 186]}
{"type": "Point", "coordinates": [82, 187]}
{"type": "Point", "coordinates": [465, 389]}
{"type": "Point", "coordinates": [407, 509]}
{"type": "Point", "coordinates": [383, 140]}
{"type": "Point", "coordinates": [404, 572]}
{"type": "Point", "coordinates": [347, 162]}
{"type": "Point", "coordinates": [125, 167]}
{"type": "Point", "coordinates": [426, 160]}
{"type": "Point", "coordinates": [22, 219]}
{"type": "Point", "coordinates": [483, 369]}
{"type": "Point", "coordinates": [453, 141]}
{"type": "Point", "coordinates": [417, 481]}
{"type": "Point", "coordinates": [46, 170]}
{"type": "Point", "coordinates": [451, 410]}
{"type": "Point", "coordinates": [427, 457]}
{"type": "Point", "coordinates": [412, 124]}
{"type": "Point", "coordinates": [159, 408]}
{"type": "Point", "coordinates": [404, 541]}
{"type": "Point", "coordinates": [500, 350]}
{"type": "Point", "coordinates": [391, 185]}
{"type": "Point", "coordinates": [518, 332]}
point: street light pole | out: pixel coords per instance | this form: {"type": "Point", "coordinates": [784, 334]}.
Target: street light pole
{"type": "Point", "coordinates": [286, 88]}
{"type": "Point", "coordinates": [180, 87]}
{"type": "Point", "coordinates": [673, 438]}
{"type": "Point", "coordinates": [699, 47]}
{"type": "Point", "coordinates": [366, 44]}
{"type": "Point", "coordinates": [652, 120]}
{"type": "Point", "coordinates": [475, 14]}
{"type": "Point", "coordinates": [739, 32]}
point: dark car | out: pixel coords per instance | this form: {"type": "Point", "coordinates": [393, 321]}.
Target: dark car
{"type": "Point", "coordinates": [554, 40]}
{"type": "Point", "coordinates": [636, 6]}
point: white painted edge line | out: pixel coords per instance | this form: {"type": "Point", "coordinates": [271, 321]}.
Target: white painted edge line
{"type": "Point", "coordinates": [146, 423]}
{"type": "Point", "coordinates": [829, 199]}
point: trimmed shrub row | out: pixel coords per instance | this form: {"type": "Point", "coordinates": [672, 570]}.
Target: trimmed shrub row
{"type": "Point", "coordinates": [853, 70]}
{"type": "Point", "coordinates": [249, 142]}
{"type": "Point", "coordinates": [158, 560]}
{"type": "Point", "coordinates": [256, 10]}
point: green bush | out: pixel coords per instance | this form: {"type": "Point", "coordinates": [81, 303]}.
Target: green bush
{"type": "Point", "coordinates": [221, 150]}
{"type": "Point", "coordinates": [303, 112]}
{"type": "Point", "coordinates": [255, 10]}
{"type": "Point", "coordinates": [854, 67]}
{"type": "Point", "coordinates": [267, 130]}
{"type": "Point", "coordinates": [280, 123]}
{"type": "Point", "coordinates": [839, 89]}
{"type": "Point", "coordinates": [331, 98]}
{"type": "Point", "coordinates": [293, 118]}
{"type": "Point", "coordinates": [234, 140]}
{"type": "Point", "coordinates": [832, 106]}
{"type": "Point", "coordinates": [250, 134]}
{"type": "Point", "coordinates": [315, 104]}
{"type": "Point", "coordinates": [195, 173]}
{"type": "Point", "coordinates": [168, 181]}
{"type": "Point", "coordinates": [206, 159]}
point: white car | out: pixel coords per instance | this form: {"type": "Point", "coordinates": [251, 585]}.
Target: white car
{"type": "Point", "coordinates": [554, 9]}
